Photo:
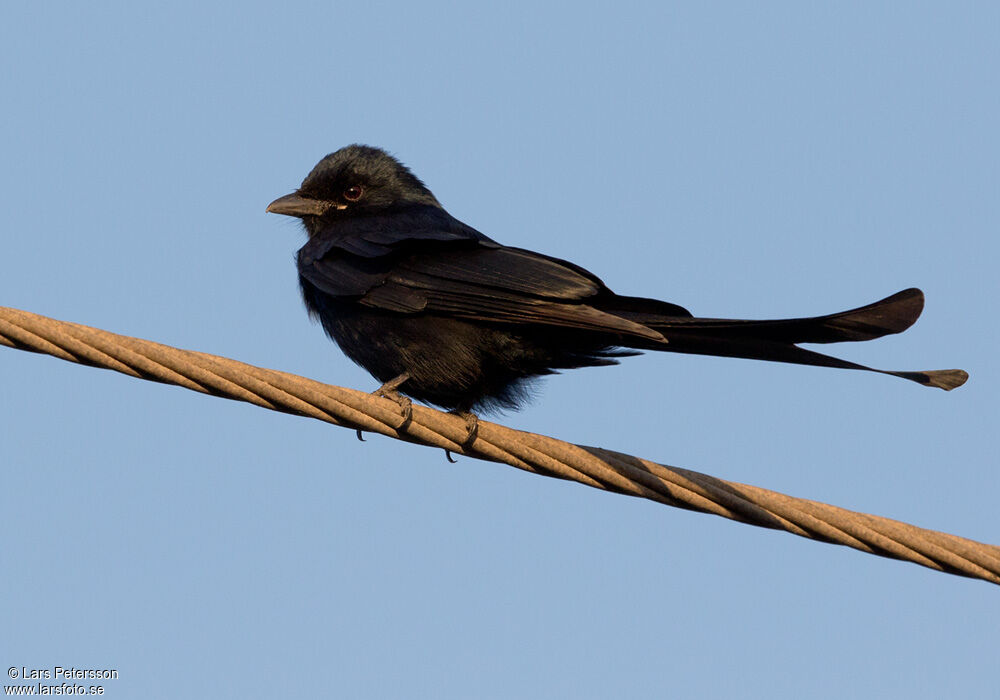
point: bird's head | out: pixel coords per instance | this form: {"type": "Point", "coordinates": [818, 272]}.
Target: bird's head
{"type": "Point", "coordinates": [355, 180]}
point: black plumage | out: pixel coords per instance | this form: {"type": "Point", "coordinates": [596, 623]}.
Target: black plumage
{"type": "Point", "coordinates": [408, 291]}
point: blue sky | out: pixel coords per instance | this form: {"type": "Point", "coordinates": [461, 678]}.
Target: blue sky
{"type": "Point", "coordinates": [742, 161]}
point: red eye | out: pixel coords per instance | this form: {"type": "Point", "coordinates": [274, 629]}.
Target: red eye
{"type": "Point", "coordinates": [353, 193]}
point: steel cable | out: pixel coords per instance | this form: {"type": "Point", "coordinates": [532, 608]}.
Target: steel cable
{"type": "Point", "coordinates": [597, 467]}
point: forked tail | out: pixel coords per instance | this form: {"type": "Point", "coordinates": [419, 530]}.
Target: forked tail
{"type": "Point", "coordinates": [776, 340]}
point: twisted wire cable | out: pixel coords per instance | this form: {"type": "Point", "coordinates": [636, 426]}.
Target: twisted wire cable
{"type": "Point", "coordinates": [593, 466]}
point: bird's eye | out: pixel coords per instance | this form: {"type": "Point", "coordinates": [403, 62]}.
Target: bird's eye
{"type": "Point", "coordinates": [353, 193]}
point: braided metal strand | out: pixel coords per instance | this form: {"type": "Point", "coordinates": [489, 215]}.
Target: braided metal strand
{"type": "Point", "coordinates": [597, 467]}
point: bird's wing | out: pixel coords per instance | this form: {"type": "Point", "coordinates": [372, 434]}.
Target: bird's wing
{"type": "Point", "coordinates": [385, 234]}
{"type": "Point", "coordinates": [444, 272]}
{"type": "Point", "coordinates": [356, 257]}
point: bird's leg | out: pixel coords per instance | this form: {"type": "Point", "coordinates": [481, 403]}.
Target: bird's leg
{"type": "Point", "coordinates": [389, 391]}
{"type": "Point", "coordinates": [471, 424]}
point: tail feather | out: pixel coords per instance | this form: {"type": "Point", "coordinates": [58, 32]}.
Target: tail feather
{"type": "Point", "coordinates": [775, 340]}
{"type": "Point", "coordinates": [751, 349]}
{"type": "Point", "coordinates": [893, 314]}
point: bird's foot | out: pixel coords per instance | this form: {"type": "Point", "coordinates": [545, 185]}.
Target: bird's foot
{"type": "Point", "coordinates": [389, 391]}
{"type": "Point", "coordinates": [471, 425]}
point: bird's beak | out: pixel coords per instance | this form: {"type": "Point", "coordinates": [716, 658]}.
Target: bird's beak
{"type": "Point", "coordinates": [296, 205]}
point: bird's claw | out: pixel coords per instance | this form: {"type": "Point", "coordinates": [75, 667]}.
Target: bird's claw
{"type": "Point", "coordinates": [402, 401]}
{"type": "Point", "coordinates": [472, 428]}
{"type": "Point", "coordinates": [471, 425]}
{"type": "Point", "coordinates": [389, 391]}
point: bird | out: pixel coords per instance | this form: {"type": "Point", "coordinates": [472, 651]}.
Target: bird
{"type": "Point", "coordinates": [440, 313]}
